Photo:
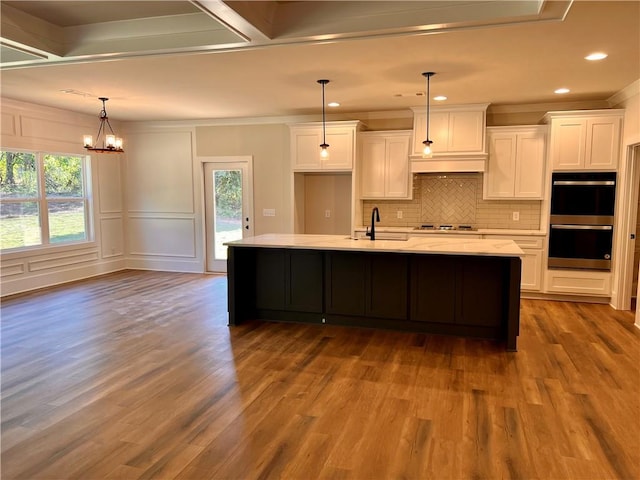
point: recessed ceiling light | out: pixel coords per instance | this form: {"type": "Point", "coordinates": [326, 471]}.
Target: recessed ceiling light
{"type": "Point", "coordinates": [596, 56]}
{"type": "Point", "coordinates": [440, 98]}
{"type": "Point", "coordinates": [562, 90]}
{"type": "Point", "coordinates": [333, 104]}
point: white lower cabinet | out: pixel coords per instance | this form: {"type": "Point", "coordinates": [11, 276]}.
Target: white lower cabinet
{"type": "Point", "coordinates": [531, 277]}
{"type": "Point", "coordinates": [578, 282]}
{"type": "Point", "coordinates": [532, 246]}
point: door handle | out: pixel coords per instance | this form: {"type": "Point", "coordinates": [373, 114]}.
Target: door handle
{"type": "Point", "coordinates": [246, 227]}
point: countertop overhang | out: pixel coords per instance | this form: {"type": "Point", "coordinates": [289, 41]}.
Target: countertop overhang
{"type": "Point", "coordinates": [421, 245]}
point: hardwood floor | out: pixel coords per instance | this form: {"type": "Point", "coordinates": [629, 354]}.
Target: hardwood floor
{"type": "Point", "coordinates": [135, 375]}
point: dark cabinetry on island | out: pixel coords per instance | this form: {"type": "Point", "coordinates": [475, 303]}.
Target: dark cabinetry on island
{"type": "Point", "coordinates": [474, 296]}
{"type": "Point", "coordinates": [366, 285]}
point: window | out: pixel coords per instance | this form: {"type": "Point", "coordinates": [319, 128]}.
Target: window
{"type": "Point", "coordinates": [43, 199]}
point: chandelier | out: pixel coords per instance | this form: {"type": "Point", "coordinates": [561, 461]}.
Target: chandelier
{"type": "Point", "coordinates": [105, 142]}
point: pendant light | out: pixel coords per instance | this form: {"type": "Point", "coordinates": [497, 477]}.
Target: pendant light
{"type": "Point", "coordinates": [324, 153]}
{"type": "Point", "coordinates": [427, 153]}
{"type": "Point", "coordinates": [110, 143]}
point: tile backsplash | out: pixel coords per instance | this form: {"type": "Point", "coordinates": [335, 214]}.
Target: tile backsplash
{"type": "Point", "coordinates": [454, 199]}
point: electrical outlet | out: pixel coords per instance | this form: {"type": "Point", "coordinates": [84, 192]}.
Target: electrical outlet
{"type": "Point", "coordinates": [399, 214]}
{"type": "Point", "coordinates": [516, 216]}
{"type": "Point", "coordinates": [327, 214]}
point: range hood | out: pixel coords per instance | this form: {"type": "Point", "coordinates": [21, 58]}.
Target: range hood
{"type": "Point", "coordinates": [448, 163]}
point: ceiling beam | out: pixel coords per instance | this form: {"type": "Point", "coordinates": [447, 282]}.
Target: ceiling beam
{"type": "Point", "coordinates": [243, 21]}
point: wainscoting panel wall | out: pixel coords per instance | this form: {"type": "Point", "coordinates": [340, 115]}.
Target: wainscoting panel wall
{"type": "Point", "coordinates": [168, 237]}
{"type": "Point", "coordinates": [163, 201]}
{"type": "Point", "coordinates": [32, 127]}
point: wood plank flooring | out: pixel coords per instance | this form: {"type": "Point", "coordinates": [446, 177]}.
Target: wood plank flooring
{"type": "Point", "coordinates": [135, 375]}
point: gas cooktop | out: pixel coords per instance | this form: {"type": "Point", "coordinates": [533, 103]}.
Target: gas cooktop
{"type": "Point", "coordinates": [463, 228]}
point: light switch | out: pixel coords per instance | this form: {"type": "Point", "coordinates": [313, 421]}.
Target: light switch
{"type": "Point", "coordinates": [327, 214]}
{"type": "Point", "coordinates": [268, 212]}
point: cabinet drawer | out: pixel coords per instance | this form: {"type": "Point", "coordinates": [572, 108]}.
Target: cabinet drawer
{"type": "Point", "coordinates": [523, 241]}
{"type": "Point", "coordinates": [435, 235]}
{"type": "Point", "coordinates": [578, 282]}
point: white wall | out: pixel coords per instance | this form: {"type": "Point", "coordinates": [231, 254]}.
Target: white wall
{"type": "Point", "coordinates": [272, 184]}
{"type": "Point", "coordinates": [629, 99]}
{"type": "Point", "coordinates": [163, 200]}
{"type": "Point", "coordinates": [37, 128]}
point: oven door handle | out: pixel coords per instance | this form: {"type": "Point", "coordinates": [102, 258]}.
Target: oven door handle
{"type": "Point", "coordinates": [582, 227]}
{"type": "Point", "coordinates": [579, 183]}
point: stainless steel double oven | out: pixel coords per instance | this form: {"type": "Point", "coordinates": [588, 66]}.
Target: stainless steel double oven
{"type": "Point", "coordinates": [581, 221]}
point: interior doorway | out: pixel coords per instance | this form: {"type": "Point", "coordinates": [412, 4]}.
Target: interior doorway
{"type": "Point", "coordinates": [228, 191]}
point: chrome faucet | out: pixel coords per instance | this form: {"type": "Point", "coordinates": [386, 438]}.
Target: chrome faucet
{"type": "Point", "coordinates": [375, 217]}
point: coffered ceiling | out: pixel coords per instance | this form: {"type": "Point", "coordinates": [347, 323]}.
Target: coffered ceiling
{"type": "Point", "coordinates": [209, 59]}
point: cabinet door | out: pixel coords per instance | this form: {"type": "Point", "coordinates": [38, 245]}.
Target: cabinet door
{"type": "Point", "coordinates": [289, 280]}
{"type": "Point", "coordinates": [397, 174]}
{"type": "Point", "coordinates": [482, 303]}
{"type": "Point", "coordinates": [529, 166]}
{"type": "Point", "coordinates": [387, 286]}
{"type": "Point", "coordinates": [372, 172]}
{"type": "Point", "coordinates": [270, 279]}
{"type": "Point", "coordinates": [531, 278]}
{"type": "Point", "coordinates": [433, 290]}
{"type": "Point", "coordinates": [603, 143]}
{"type": "Point", "coordinates": [501, 166]}
{"type": "Point", "coordinates": [341, 149]}
{"type": "Point", "coordinates": [419, 129]}
{"type": "Point", "coordinates": [438, 131]}
{"type": "Point", "coordinates": [345, 283]}
{"type": "Point", "coordinates": [303, 281]}
{"type": "Point", "coordinates": [466, 132]}
{"type": "Point", "coordinates": [568, 139]}
{"type": "Point", "coordinates": [305, 149]}
{"type": "Point", "coordinates": [360, 284]}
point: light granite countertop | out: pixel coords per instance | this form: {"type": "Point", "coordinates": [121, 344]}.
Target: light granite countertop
{"type": "Point", "coordinates": [423, 244]}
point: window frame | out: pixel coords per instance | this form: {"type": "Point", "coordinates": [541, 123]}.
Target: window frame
{"type": "Point", "coordinates": [43, 202]}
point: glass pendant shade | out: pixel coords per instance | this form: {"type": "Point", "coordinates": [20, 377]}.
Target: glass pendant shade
{"type": "Point", "coordinates": [426, 151]}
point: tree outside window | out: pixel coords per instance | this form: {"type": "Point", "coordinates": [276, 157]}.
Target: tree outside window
{"type": "Point", "coordinates": [43, 199]}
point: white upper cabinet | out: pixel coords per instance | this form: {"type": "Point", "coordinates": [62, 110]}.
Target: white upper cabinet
{"type": "Point", "coordinates": [585, 140]}
{"type": "Point", "coordinates": [305, 146]}
{"type": "Point", "coordinates": [384, 165]}
{"type": "Point", "coordinates": [453, 130]}
{"type": "Point", "coordinates": [516, 163]}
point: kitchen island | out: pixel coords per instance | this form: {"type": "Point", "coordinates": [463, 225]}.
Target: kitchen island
{"type": "Point", "coordinates": [451, 286]}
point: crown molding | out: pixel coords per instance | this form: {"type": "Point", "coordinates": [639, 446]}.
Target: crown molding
{"type": "Point", "coordinates": [624, 95]}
